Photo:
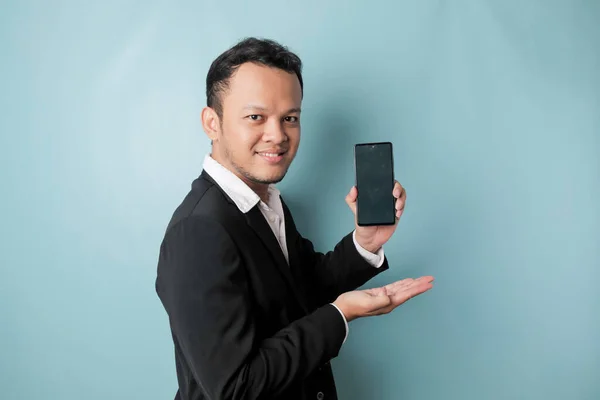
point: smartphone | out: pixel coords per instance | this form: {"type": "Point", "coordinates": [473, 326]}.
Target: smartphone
{"type": "Point", "coordinates": [374, 170]}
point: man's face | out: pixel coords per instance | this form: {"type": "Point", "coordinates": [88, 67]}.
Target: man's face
{"type": "Point", "coordinates": [259, 133]}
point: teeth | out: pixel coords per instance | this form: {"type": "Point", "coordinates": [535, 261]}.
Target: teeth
{"type": "Point", "coordinates": [270, 154]}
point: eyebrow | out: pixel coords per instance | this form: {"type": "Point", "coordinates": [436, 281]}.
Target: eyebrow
{"type": "Point", "coordinates": [261, 108]}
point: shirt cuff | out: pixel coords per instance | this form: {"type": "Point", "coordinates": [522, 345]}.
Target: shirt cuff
{"type": "Point", "coordinates": [375, 260]}
{"type": "Point", "coordinates": [345, 321]}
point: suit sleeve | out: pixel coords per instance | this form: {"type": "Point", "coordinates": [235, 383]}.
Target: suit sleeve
{"type": "Point", "coordinates": [338, 271]}
{"type": "Point", "coordinates": [203, 286]}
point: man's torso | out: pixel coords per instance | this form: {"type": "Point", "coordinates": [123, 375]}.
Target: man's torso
{"type": "Point", "coordinates": [280, 290]}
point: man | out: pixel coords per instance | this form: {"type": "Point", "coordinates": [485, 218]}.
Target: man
{"type": "Point", "coordinates": [255, 312]}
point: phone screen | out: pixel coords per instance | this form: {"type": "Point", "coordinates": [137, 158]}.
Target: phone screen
{"type": "Point", "coordinates": [374, 168]}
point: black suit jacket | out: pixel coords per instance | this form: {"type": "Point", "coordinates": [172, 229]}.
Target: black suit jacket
{"type": "Point", "coordinates": [245, 324]}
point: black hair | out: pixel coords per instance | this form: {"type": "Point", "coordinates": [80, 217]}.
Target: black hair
{"type": "Point", "coordinates": [261, 51]}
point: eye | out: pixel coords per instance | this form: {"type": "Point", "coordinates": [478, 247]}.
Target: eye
{"type": "Point", "coordinates": [254, 117]}
{"type": "Point", "coordinates": [291, 119]}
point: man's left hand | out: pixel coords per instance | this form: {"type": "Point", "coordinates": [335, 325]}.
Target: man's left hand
{"type": "Point", "coordinates": [371, 238]}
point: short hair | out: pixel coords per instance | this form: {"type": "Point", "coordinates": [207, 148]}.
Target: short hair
{"type": "Point", "coordinates": [260, 51]}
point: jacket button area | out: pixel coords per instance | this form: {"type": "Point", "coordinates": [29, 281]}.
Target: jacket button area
{"type": "Point", "coordinates": [320, 396]}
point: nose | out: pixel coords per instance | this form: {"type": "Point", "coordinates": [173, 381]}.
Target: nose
{"type": "Point", "coordinates": [274, 132]}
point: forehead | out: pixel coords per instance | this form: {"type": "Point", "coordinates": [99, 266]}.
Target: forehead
{"type": "Point", "coordinates": [269, 87]}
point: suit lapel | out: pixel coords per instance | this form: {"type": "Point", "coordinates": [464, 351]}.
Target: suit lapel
{"type": "Point", "coordinates": [257, 222]}
{"type": "Point", "coordinates": [291, 235]}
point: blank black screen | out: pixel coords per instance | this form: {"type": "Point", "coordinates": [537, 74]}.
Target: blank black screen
{"type": "Point", "coordinates": [375, 182]}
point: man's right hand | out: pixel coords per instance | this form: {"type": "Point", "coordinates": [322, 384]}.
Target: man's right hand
{"type": "Point", "coordinates": [382, 300]}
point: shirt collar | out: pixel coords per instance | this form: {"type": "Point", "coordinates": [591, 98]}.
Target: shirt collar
{"type": "Point", "coordinates": [241, 194]}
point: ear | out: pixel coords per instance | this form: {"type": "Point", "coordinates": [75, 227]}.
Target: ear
{"type": "Point", "coordinates": [211, 123]}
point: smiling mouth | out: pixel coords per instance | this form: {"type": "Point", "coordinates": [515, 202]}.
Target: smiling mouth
{"type": "Point", "coordinates": [272, 157]}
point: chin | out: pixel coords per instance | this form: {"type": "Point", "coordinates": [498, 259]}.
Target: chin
{"type": "Point", "coordinates": [267, 178]}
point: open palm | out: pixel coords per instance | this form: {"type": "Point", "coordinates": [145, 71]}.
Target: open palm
{"type": "Point", "coordinates": [381, 300]}
{"type": "Point", "coordinates": [401, 291]}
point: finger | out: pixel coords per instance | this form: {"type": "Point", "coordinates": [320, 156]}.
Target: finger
{"type": "Point", "coordinates": [351, 199]}
{"type": "Point", "coordinates": [393, 287]}
{"type": "Point", "coordinates": [409, 292]}
{"type": "Point", "coordinates": [398, 190]}
{"type": "Point", "coordinates": [399, 207]}
{"type": "Point", "coordinates": [399, 204]}
{"type": "Point", "coordinates": [420, 289]}
{"type": "Point", "coordinates": [401, 200]}
{"type": "Point", "coordinates": [407, 283]}
{"type": "Point", "coordinates": [422, 281]}
{"type": "Point", "coordinates": [400, 283]}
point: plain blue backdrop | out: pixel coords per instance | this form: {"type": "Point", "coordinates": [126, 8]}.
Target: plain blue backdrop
{"type": "Point", "coordinates": [493, 108]}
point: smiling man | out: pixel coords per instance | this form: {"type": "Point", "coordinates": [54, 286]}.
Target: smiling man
{"type": "Point", "coordinates": [255, 312]}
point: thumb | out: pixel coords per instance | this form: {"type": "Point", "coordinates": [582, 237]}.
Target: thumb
{"type": "Point", "coordinates": [351, 199]}
{"type": "Point", "coordinates": [379, 301]}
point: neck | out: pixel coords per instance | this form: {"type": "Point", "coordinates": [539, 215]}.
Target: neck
{"type": "Point", "coordinates": [262, 191]}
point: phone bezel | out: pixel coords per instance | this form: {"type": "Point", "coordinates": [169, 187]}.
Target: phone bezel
{"type": "Point", "coordinates": [393, 222]}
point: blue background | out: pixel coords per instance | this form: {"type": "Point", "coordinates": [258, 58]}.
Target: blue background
{"type": "Point", "coordinates": [493, 109]}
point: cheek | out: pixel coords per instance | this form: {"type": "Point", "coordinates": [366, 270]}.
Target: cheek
{"type": "Point", "coordinates": [294, 137]}
{"type": "Point", "coordinates": [252, 139]}
{"type": "Point", "coordinates": [241, 137]}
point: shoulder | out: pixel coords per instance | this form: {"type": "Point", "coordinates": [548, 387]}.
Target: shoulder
{"type": "Point", "coordinates": [203, 222]}
{"type": "Point", "coordinates": [205, 203]}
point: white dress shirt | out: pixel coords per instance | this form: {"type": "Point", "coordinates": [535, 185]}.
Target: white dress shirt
{"type": "Point", "coordinates": [245, 198]}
